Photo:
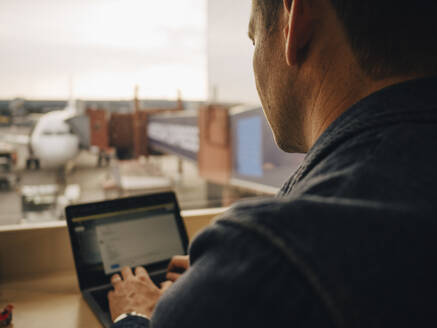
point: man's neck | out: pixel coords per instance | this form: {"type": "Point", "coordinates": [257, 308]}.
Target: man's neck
{"type": "Point", "coordinates": [337, 96]}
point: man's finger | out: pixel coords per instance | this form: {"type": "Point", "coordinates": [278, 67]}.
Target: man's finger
{"type": "Point", "coordinates": [142, 274]}
{"type": "Point", "coordinates": [127, 273]}
{"type": "Point", "coordinates": [110, 295]}
{"type": "Point", "coordinates": [179, 263]}
{"type": "Point", "coordinates": [173, 276]}
{"type": "Point", "coordinates": [116, 280]}
{"type": "Point", "coordinates": [166, 285]}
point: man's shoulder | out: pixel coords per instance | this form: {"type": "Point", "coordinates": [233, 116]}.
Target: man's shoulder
{"type": "Point", "coordinates": [250, 276]}
{"type": "Point", "coordinates": [281, 216]}
{"type": "Point", "coordinates": [386, 164]}
{"type": "Point", "coordinates": [308, 224]}
{"type": "Point", "coordinates": [249, 262]}
{"type": "Point", "coordinates": [350, 253]}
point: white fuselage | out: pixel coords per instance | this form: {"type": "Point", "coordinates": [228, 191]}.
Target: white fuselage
{"type": "Point", "coordinates": [52, 140]}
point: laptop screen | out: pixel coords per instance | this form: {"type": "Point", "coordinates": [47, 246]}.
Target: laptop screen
{"type": "Point", "coordinates": [104, 241]}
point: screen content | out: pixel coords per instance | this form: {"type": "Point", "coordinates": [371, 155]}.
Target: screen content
{"type": "Point", "coordinates": [128, 238]}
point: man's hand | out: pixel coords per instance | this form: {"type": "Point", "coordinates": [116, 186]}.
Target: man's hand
{"type": "Point", "coordinates": [138, 293]}
{"type": "Point", "coordinates": [178, 265]}
{"type": "Point", "coordinates": [133, 293]}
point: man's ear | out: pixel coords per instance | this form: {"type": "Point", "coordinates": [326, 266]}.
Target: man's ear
{"type": "Point", "coordinates": [298, 30]}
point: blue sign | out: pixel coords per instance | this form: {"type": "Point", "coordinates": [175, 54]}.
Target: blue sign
{"type": "Point", "coordinates": [249, 147]}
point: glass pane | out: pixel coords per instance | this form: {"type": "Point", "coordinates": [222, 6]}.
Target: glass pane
{"type": "Point", "coordinates": [106, 99]}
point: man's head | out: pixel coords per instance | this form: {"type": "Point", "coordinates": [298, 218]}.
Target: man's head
{"type": "Point", "coordinates": [308, 52]}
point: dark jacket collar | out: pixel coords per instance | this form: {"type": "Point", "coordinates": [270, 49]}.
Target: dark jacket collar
{"type": "Point", "coordinates": [404, 102]}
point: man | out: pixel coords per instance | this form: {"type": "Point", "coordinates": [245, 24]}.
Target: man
{"type": "Point", "coordinates": [350, 240]}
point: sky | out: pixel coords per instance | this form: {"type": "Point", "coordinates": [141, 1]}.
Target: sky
{"type": "Point", "coordinates": [230, 52]}
{"type": "Point", "coordinates": [105, 47]}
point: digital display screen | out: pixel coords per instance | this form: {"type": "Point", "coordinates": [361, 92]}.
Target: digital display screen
{"type": "Point", "coordinates": [131, 238]}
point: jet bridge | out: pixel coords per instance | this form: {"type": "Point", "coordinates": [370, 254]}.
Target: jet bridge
{"type": "Point", "coordinates": [232, 146]}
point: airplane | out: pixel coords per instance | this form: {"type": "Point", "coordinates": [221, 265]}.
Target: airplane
{"type": "Point", "coordinates": [54, 142]}
{"type": "Point", "coordinates": [51, 141]}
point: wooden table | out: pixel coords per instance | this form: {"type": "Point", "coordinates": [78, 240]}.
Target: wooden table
{"type": "Point", "coordinates": [37, 273]}
{"type": "Point", "coordinates": [49, 301]}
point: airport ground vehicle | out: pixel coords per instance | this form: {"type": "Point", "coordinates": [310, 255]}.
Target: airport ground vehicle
{"type": "Point", "coordinates": [5, 116]}
{"type": "Point", "coordinates": [8, 159]}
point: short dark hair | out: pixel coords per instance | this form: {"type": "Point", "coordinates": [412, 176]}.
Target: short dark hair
{"type": "Point", "coordinates": [388, 37]}
{"type": "Point", "coordinates": [269, 10]}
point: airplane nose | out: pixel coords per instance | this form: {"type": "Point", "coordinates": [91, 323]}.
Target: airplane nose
{"type": "Point", "coordinates": [55, 150]}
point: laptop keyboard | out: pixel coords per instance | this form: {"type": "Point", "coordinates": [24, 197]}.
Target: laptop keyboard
{"type": "Point", "coordinates": [101, 297]}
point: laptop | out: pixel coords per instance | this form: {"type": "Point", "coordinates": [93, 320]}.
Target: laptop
{"type": "Point", "coordinates": [136, 231]}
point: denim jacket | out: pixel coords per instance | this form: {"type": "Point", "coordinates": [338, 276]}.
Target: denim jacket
{"type": "Point", "coordinates": [350, 241]}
